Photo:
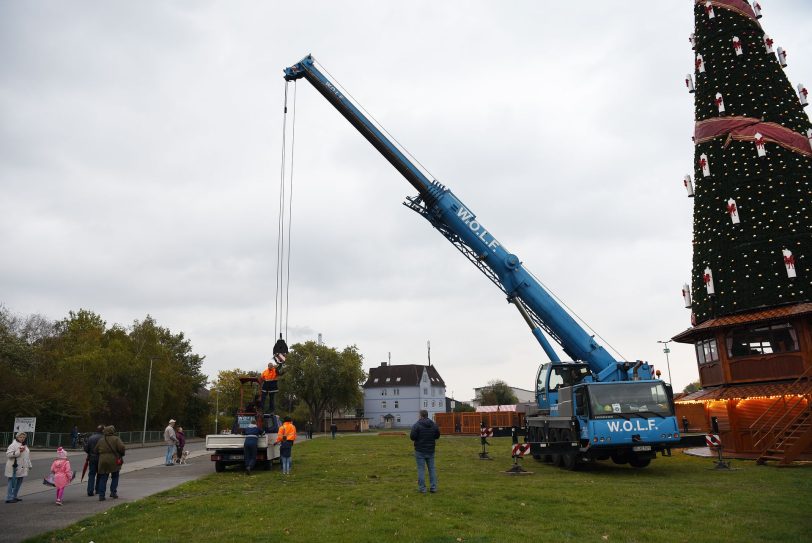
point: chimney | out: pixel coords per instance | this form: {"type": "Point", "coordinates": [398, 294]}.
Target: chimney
{"type": "Point", "coordinates": [383, 364]}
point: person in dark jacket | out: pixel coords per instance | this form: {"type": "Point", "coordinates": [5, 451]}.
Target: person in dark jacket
{"type": "Point", "coordinates": [252, 434]}
{"type": "Point", "coordinates": [181, 442]}
{"type": "Point", "coordinates": [425, 433]}
{"type": "Point", "coordinates": [93, 459]}
{"type": "Point", "coordinates": [110, 449]}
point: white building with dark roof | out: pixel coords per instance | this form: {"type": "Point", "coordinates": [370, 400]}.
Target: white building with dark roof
{"type": "Point", "coordinates": [395, 394]}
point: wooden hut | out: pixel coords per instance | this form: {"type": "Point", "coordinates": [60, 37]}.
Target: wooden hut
{"type": "Point", "coordinates": [755, 369]}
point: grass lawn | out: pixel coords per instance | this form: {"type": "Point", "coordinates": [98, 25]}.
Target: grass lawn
{"type": "Point", "coordinates": [363, 488]}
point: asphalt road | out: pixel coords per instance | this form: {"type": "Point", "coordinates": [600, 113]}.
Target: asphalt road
{"type": "Point", "coordinates": [142, 474]}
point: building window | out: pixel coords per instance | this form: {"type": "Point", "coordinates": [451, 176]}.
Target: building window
{"type": "Point", "coordinates": [397, 379]}
{"type": "Point", "coordinates": [432, 391]}
{"type": "Point", "coordinates": [396, 405]}
{"type": "Point", "coordinates": [425, 403]}
{"type": "Point", "coordinates": [396, 391]}
{"type": "Point", "coordinates": [432, 403]}
{"type": "Point", "coordinates": [375, 380]}
{"type": "Point", "coordinates": [425, 377]}
{"type": "Point", "coordinates": [706, 351]}
{"type": "Point", "coordinates": [425, 392]}
{"type": "Point", "coordinates": [397, 418]}
{"type": "Point", "coordinates": [388, 379]}
{"type": "Point", "coordinates": [762, 339]}
{"type": "Point", "coordinates": [383, 392]}
{"type": "Point", "coordinates": [383, 404]}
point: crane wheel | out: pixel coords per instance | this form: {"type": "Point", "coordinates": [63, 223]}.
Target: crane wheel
{"type": "Point", "coordinates": [569, 461]}
{"type": "Point", "coordinates": [638, 462]}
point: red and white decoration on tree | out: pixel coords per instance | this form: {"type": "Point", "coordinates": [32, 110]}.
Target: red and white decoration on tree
{"type": "Point", "coordinates": [789, 263]}
{"type": "Point", "coordinates": [737, 46]}
{"type": "Point", "coordinates": [803, 95]}
{"type": "Point", "coordinates": [689, 186]}
{"type": "Point", "coordinates": [709, 10]}
{"type": "Point", "coordinates": [720, 102]}
{"type": "Point", "coordinates": [761, 147]}
{"type": "Point", "coordinates": [703, 164]}
{"type": "Point", "coordinates": [686, 295]}
{"type": "Point", "coordinates": [768, 43]}
{"type": "Point", "coordinates": [689, 82]}
{"type": "Point", "coordinates": [692, 39]}
{"type": "Point", "coordinates": [782, 57]}
{"type": "Point", "coordinates": [757, 9]}
{"type": "Point", "coordinates": [699, 63]}
{"type": "Point", "coordinates": [733, 211]}
{"type": "Point", "coordinates": [707, 278]}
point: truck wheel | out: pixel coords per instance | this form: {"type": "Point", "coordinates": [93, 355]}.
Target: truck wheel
{"type": "Point", "coordinates": [219, 467]}
{"type": "Point", "coordinates": [569, 461]}
{"type": "Point", "coordinates": [555, 459]}
{"type": "Point", "coordinates": [638, 462]}
{"type": "Point", "coordinates": [618, 458]}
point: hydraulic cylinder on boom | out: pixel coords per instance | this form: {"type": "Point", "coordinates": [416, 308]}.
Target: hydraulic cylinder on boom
{"type": "Point", "coordinates": [565, 428]}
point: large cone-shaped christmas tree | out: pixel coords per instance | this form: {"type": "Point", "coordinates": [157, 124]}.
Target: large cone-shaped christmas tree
{"type": "Point", "coordinates": [753, 167]}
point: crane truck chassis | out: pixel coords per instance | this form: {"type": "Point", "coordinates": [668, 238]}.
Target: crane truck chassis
{"type": "Point", "coordinates": [591, 408]}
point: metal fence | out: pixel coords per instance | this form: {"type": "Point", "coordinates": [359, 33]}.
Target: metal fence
{"type": "Point", "coordinates": [52, 440]}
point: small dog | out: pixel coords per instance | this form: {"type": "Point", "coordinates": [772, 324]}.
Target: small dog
{"type": "Point", "coordinates": [184, 457]}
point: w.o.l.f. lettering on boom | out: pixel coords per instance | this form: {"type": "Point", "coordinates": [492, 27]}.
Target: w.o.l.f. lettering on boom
{"type": "Point", "coordinates": [469, 220]}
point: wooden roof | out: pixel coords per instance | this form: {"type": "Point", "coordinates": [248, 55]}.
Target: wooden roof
{"type": "Point", "coordinates": [776, 313]}
{"type": "Point", "coordinates": [751, 390]}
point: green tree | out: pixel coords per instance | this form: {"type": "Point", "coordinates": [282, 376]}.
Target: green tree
{"type": "Point", "coordinates": [462, 407]}
{"type": "Point", "coordinates": [80, 371]}
{"type": "Point", "coordinates": [224, 396]}
{"type": "Point", "coordinates": [691, 387]}
{"type": "Point", "coordinates": [323, 378]}
{"type": "Point", "coordinates": [497, 392]}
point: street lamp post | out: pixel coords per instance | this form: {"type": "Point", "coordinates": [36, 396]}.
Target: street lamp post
{"type": "Point", "coordinates": [216, 408]}
{"type": "Point", "coordinates": [666, 350]}
{"type": "Point", "coordinates": [146, 408]}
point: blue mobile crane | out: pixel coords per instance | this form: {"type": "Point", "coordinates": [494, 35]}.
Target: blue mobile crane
{"type": "Point", "coordinates": [592, 407]}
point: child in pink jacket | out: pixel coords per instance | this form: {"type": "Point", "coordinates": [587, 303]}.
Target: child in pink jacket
{"type": "Point", "coordinates": [62, 473]}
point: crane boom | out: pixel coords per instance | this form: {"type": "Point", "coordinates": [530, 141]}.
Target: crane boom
{"type": "Point", "coordinates": [590, 408]}
{"type": "Point", "coordinates": [446, 212]}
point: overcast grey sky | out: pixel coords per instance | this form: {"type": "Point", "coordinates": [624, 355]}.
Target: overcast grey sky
{"type": "Point", "coordinates": [140, 150]}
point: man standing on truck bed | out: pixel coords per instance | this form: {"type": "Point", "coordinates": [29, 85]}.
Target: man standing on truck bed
{"type": "Point", "coordinates": [269, 386]}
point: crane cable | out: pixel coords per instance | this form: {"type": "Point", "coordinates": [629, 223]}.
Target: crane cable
{"type": "Point", "coordinates": [282, 296]}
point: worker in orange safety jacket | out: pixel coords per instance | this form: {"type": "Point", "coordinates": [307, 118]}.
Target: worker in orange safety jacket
{"type": "Point", "coordinates": [269, 385]}
{"type": "Point", "coordinates": [285, 438]}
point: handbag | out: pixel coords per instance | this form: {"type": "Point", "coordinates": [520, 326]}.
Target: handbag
{"type": "Point", "coordinates": [48, 480]}
{"type": "Point", "coordinates": [119, 459]}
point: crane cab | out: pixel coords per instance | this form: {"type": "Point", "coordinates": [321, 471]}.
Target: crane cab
{"type": "Point", "coordinates": [554, 375]}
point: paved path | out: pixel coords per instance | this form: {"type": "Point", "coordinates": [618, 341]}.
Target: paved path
{"type": "Point", "coordinates": [142, 474]}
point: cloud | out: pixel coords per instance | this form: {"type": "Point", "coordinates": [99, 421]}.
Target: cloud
{"type": "Point", "coordinates": [140, 162]}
